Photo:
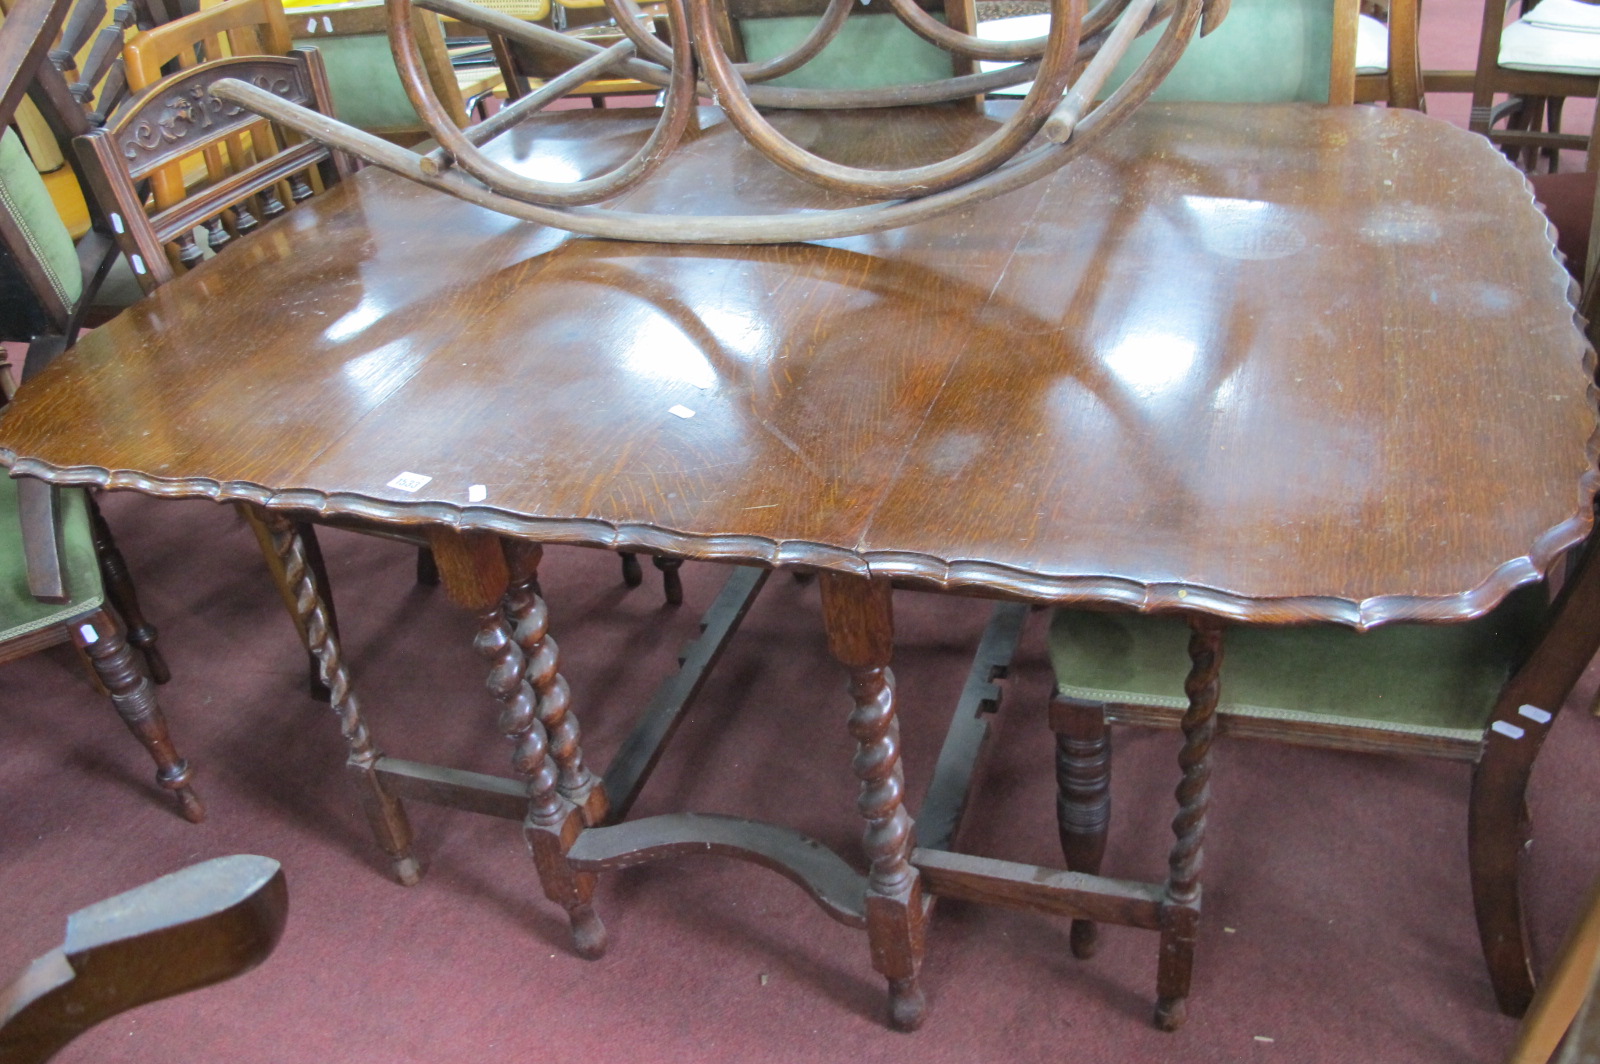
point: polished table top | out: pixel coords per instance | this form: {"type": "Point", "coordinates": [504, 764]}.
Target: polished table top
{"type": "Point", "coordinates": [1279, 364]}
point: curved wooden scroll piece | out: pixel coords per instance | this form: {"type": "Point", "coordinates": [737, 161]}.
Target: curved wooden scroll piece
{"type": "Point", "coordinates": [202, 925]}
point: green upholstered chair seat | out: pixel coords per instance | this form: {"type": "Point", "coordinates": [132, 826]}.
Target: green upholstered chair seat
{"type": "Point", "coordinates": [20, 613]}
{"type": "Point", "coordinates": [25, 199]}
{"type": "Point", "coordinates": [870, 52]}
{"type": "Point", "coordinates": [1433, 680]}
{"type": "Point", "coordinates": [366, 88]}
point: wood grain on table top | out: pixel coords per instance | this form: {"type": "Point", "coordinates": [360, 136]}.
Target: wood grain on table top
{"type": "Point", "coordinates": [1281, 363]}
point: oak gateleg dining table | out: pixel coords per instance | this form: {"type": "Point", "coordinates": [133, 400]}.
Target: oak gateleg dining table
{"type": "Point", "coordinates": [1250, 365]}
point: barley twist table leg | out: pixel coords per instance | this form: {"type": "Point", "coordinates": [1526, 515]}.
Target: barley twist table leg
{"type": "Point", "coordinates": [385, 814]}
{"type": "Point", "coordinates": [553, 822]}
{"type": "Point", "coordinates": [135, 699]}
{"type": "Point", "coordinates": [529, 618]}
{"type": "Point", "coordinates": [860, 626]}
{"type": "Point", "coordinates": [1181, 907]}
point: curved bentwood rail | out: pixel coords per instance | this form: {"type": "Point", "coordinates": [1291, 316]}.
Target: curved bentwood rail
{"type": "Point", "coordinates": [1056, 122]}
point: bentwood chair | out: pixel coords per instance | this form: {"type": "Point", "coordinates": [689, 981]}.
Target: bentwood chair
{"type": "Point", "coordinates": [61, 576]}
{"type": "Point", "coordinates": [871, 49]}
{"type": "Point", "coordinates": [1528, 68]}
{"type": "Point", "coordinates": [523, 69]}
{"type": "Point", "coordinates": [365, 86]}
{"type": "Point", "coordinates": [191, 929]}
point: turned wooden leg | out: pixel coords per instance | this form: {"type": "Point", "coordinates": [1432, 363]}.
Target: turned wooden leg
{"type": "Point", "coordinates": [385, 814]}
{"type": "Point", "coordinates": [101, 638]}
{"type": "Point", "coordinates": [1180, 909]}
{"type": "Point", "coordinates": [499, 579]}
{"type": "Point", "coordinates": [1083, 796]}
{"type": "Point", "coordinates": [860, 624]}
{"type": "Point", "coordinates": [632, 574]}
{"type": "Point", "coordinates": [119, 590]}
{"type": "Point", "coordinates": [671, 582]}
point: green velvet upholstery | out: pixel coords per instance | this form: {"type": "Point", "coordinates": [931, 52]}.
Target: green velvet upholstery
{"type": "Point", "coordinates": [1438, 680]}
{"type": "Point", "coordinates": [1265, 51]}
{"type": "Point", "coordinates": [365, 85]}
{"type": "Point", "coordinates": [871, 51]}
{"type": "Point", "coordinates": [24, 198]}
{"type": "Point", "coordinates": [21, 613]}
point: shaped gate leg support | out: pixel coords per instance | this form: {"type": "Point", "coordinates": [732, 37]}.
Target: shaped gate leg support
{"type": "Point", "coordinates": [860, 623]}
{"type": "Point", "coordinates": [500, 580]}
{"type": "Point", "coordinates": [1180, 910]}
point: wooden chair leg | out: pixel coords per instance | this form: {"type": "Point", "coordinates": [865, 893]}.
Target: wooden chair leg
{"type": "Point", "coordinates": [632, 574]}
{"type": "Point", "coordinates": [124, 599]}
{"type": "Point", "coordinates": [671, 582]}
{"type": "Point", "coordinates": [1083, 796]}
{"type": "Point", "coordinates": [1497, 834]}
{"type": "Point", "coordinates": [101, 638]}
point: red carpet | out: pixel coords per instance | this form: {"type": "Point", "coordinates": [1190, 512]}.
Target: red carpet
{"type": "Point", "coordinates": [1337, 927]}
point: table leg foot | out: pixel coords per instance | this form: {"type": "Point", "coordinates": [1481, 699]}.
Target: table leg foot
{"type": "Point", "coordinates": [553, 825]}
{"type": "Point", "coordinates": [407, 871]}
{"type": "Point", "coordinates": [1171, 1013]}
{"type": "Point", "coordinates": [908, 1005]}
{"type": "Point", "coordinates": [588, 932]}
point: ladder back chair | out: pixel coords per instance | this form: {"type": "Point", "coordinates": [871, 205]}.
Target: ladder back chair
{"type": "Point", "coordinates": [232, 28]}
{"type": "Point", "coordinates": [524, 70]}
{"type": "Point", "coordinates": [176, 119]}
{"type": "Point", "coordinates": [1527, 68]}
{"type": "Point", "coordinates": [62, 578]}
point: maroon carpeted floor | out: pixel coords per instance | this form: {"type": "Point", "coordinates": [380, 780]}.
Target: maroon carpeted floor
{"type": "Point", "coordinates": [1337, 926]}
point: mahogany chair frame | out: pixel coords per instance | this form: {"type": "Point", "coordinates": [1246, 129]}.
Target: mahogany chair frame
{"type": "Point", "coordinates": [1531, 96]}
{"type": "Point", "coordinates": [102, 633]}
{"type": "Point", "coordinates": [1502, 760]}
{"type": "Point", "coordinates": [1402, 84]}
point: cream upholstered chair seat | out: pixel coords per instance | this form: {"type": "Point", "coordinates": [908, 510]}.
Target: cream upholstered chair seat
{"type": "Point", "coordinates": [1560, 36]}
